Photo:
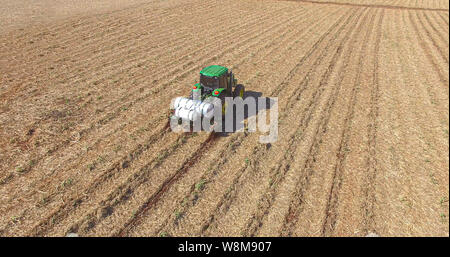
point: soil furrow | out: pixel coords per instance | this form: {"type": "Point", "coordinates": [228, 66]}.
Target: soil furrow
{"type": "Point", "coordinates": [396, 7]}
{"type": "Point", "coordinates": [289, 76]}
{"type": "Point", "coordinates": [444, 38]}
{"type": "Point", "coordinates": [439, 48]}
{"type": "Point", "coordinates": [64, 210]}
{"type": "Point", "coordinates": [369, 186]}
{"type": "Point", "coordinates": [109, 118]}
{"type": "Point", "coordinates": [431, 58]}
{"type": "Point", "coordinates": [297, 198]}
{"type": "Point", "coordinates": [442, 26]}
{"type": "Point", "coordinates": [445, 20]}
{"type": "Point", "coordinates": [333, 200]}
{"type": "Point", "coordinates": [223, 207]}
{"type": "Point", "coordinates": [362, 123]}
{"type": "Point", "coordinates": [103, 50]}
{"type": "Point", "coordinates": [279, 172]}
{"type": "Point", "coordinates": [292, 100]}
{"type": "Point", "coordinates": [206, 177]}
{"type": "Point", "coordinates": [168, 182]}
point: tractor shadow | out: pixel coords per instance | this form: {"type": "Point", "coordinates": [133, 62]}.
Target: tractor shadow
{"type": "Point", "coordinates": [241, 121]}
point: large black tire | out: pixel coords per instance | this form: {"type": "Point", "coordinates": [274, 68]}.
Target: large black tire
{"type": "Point", "coordinates": [239, 90]}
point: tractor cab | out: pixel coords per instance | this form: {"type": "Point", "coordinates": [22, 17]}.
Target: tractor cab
{"type": "Point", "coordinates": [217, 77]}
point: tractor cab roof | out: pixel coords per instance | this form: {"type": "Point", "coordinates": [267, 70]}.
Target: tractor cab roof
{"type": "Point", "coordinates": [214, 71]}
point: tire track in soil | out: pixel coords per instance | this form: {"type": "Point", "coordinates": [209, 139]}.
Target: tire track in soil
{"type": "Point", "coordinates": [224, 204]}
{"type": "Point", "coordinates": [333, 198]}
{"type": "Point", "coordinates": [255, 223]}
{"type": "Point", "coordinates": [214, 165]}
{"type": "Point", "coordinates": [372, 170]}
{"type": "Point", "coordinates": [443, 78]}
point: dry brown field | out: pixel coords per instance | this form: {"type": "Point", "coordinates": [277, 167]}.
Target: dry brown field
{"type": "Point", "coordinates": [363, 90]}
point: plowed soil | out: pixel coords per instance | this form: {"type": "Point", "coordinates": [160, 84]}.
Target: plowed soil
{"type": "Point", "coordinates": [363, 91]}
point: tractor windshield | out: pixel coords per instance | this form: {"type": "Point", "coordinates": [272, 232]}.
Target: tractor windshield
{"type": "Point", "coordinates": [212, 82]}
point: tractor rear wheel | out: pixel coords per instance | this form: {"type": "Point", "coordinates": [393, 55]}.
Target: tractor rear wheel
{"type": "Point", "coordinates": [239, 91]}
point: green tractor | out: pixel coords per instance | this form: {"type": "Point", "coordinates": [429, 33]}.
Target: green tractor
{"type": "Point", "coordinates": [216, 83]}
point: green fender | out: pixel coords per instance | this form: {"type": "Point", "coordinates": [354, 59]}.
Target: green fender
{"type": "Point", "coordinates": [197, 87]}
{"type": "Point", "coordinates": [217, 92]}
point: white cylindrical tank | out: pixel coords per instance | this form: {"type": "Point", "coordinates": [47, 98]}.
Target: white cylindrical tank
{"type": "Point", "coordinates": [189, 109]}
{"type": "Point", "coordinates": [187, 114]}
{"type": "Point", "coordinates": [206, 109]}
